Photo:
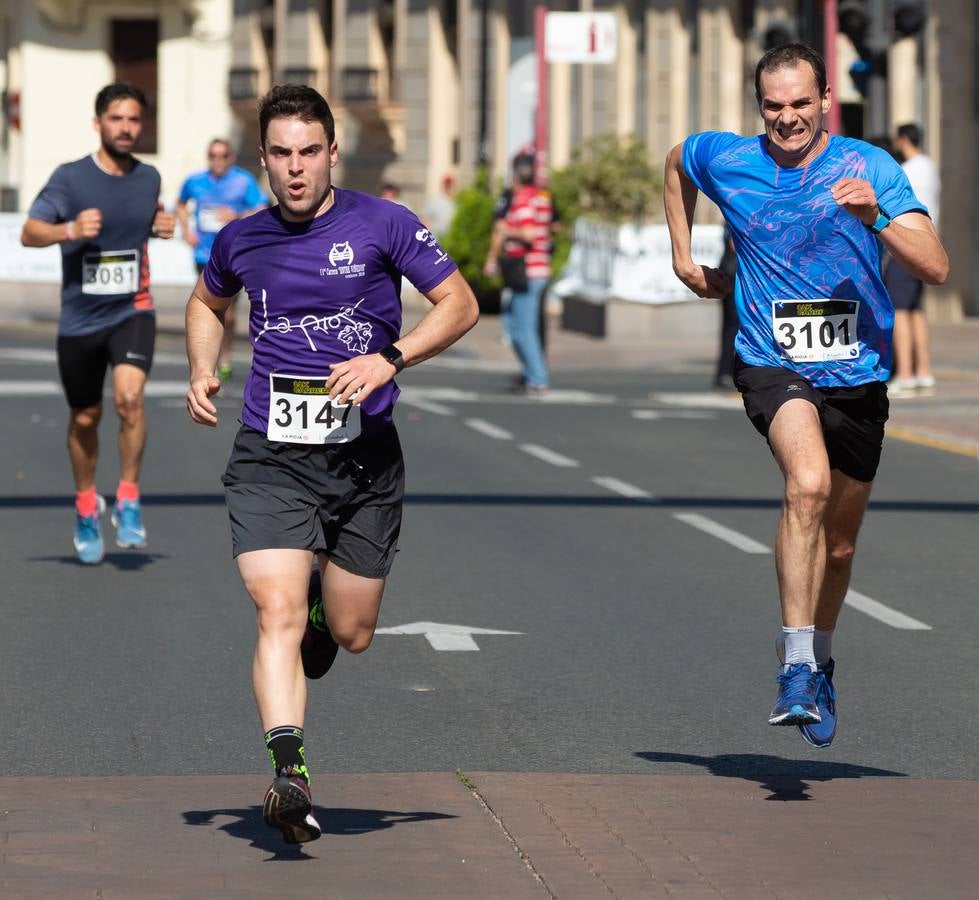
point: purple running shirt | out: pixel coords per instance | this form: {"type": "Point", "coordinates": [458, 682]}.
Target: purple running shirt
{"type": "Point", "coordinates": [323, 291]}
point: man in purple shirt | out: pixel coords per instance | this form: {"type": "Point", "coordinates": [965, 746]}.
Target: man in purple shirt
{"type": "Point", "coordinates": [316, 466]}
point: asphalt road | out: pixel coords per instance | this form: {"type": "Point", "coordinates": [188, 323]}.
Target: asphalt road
{"type": "Point", "coordinates": [593, 524]}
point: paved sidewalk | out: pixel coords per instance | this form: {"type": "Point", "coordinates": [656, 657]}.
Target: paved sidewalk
{"type": "Point", "coordinates": [824, 833]}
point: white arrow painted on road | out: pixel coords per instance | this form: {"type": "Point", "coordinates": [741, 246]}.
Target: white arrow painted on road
{"type": "Point", "coordinates": [444, 637]}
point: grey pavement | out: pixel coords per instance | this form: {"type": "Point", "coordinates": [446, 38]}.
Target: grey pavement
{"type": "Point", "coordinates": [743, 825]}
{"type": "Point", "coordinates": [679, 338]}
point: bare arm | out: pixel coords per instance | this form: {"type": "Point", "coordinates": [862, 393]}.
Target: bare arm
{"type": "Point", "coordinates": [183, 217]}
{"type": "Point", "coordinates": [680, 201]}
{"type": "Point", "coordinates": [910, 238]}
{"type": "Point", "coordinates": [37, 233]}
{"type": "Point", "coordinates": [454, 311]}
{"type": "Point", "coordinates": [205, 327]}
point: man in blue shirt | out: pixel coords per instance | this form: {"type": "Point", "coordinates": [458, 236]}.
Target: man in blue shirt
{"type": "Point", "coordinates": [221, 193]}
{"type": "Point", "coordinates": [806, 210]}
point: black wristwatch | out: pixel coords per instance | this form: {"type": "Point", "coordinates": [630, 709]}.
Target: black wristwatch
{"type": "Point", "coordinates": [393, 355]}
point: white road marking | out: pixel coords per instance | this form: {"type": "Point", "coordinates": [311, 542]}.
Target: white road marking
{"type": "Point", "coordinates": [729, 535]}
{"type": "Point", "coordinates": [429, 406]}
{"type": "Point", "coordinates": [621, 487]}
{"type": "Point", "coordinates": [46, 356]}
{"type": "Point", "coordinates": [703, 400]}
{"type": "Point", "coordinates": [489, 429]}
{"type": "Point", "coordinates": [549, 456]}
{"type": "Point", "coordinates": [444, 637]}
{"type": "Point", "coordinates": [656, 414]}
{"type": "Point", "coordinates": [29, 388]}
{"type": "Point", "coordinates": [883, 613]}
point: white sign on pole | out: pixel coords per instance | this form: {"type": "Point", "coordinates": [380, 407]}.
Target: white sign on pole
{"type": "Point", "coordinates": [581, 37]}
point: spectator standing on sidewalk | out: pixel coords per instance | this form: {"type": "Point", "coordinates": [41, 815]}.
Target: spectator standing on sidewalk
{"type": "Point", "coordinates": [220, 194]}
{"type": "Point", "coordinates": [102, 209]}
{"type": "Point", "coordinates": [912, 360]}
{"type": "Point", "coordinates": [520, 252]}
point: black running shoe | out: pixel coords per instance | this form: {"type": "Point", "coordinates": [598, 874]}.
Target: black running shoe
{"type": "Point", "coordinates": [318, 649]}
{"type": "Point", "coordinates": [289, 807]}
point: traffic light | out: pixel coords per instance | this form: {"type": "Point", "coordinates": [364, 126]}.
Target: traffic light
{"type": "Point", "coordinates": [776, 33]}
{"type": "Point", "coordinates": [909, 17]}
{"type": "Point", "coordinates": [853, 18]}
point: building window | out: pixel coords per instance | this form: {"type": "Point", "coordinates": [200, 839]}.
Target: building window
{"type": "Point", "coordinates": [134, 44]}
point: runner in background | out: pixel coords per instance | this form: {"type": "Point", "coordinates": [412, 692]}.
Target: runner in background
{"type": "Point", "coordinates": [101, 210]}
{"type": "Point", "coordinates": [220, 194]}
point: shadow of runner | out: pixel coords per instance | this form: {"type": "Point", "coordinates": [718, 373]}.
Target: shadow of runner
{"type": "Point", "coordinates": [247, 824]}
{"type": "Point", "coordinates": [125, 561]}
{"type": "Point", "coordinates": [786, 779]}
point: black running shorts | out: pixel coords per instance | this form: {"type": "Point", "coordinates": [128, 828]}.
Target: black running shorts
{"type": "Point", "coordinates": [905, 290]}
{"type": "Point", "coordinates": [83, 359]}
{"type": "Point", "coordinates": [340, 499]}
{"type": "Point", "coordinates": [852, 418]}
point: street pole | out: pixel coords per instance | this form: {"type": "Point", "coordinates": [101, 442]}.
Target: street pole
{"type": "Point", "coordinates": [483, 149]}
{"type": "Point", "coordinates": [876, 122]}
{"type": "Point", "coordinates": [830, 30]}
{"type": "Point", "coordinates": [541, 130]}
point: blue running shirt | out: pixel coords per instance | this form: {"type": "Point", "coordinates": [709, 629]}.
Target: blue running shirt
{"type": "Point", "coordinates": [236, 189]}
{"type": "Point", "coordinates": [808, 290]}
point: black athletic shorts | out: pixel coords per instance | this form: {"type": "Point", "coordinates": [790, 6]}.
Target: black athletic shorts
{"type": "Point", "coordinates": [852, 417]}
{"type": "Point", "coordinates": [905, 290]}
{"type": "Point", "coordinates": [83, 359]}
{"type": "Point", "coordinates": [340, 499]}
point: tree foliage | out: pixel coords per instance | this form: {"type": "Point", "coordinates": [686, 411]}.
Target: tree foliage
{"type": "Point", "coordinates": [610, 179]}
{"type": "Point", "coordinates": [468, 237]}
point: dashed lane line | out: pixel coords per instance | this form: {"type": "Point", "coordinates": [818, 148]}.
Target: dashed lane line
{"type": "Point", "coordinates": [549, 456]}
{"type": "Point", "coordinates": [622, 488]}
{"type": "Point", "coordinates": [722, 532]}
{"type": "Point", "coordinates": [429, 406]}
{"type": "Point", "coordinates": [489, 429]}
{"type": "Point", "coordinates": [883, 613]}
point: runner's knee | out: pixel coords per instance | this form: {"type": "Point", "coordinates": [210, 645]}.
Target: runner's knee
{"type": "Point", "coordinates": [277, 611]}
{"type": "Point", "coordinates": [129, 404]}
{"type": "Point", "coordinates": [807, 492]}
{"type": "Point", "coordinates": [85, 419]}
{"type": "Point", "coordinates": [839, 553]}
{"type": "Point", "coordinates": [353, 637]}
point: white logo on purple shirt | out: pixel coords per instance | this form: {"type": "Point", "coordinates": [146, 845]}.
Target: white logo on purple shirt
{"type": "Point", "coordinates": [341, 253]}
{"type": "Point", "coordinates": [355, 335]}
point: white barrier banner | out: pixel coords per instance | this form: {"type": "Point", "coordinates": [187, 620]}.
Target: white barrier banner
{"type": "Point", "coordinates": [171, 262]}
{"type": "Point", "coordinates": [629, 262]}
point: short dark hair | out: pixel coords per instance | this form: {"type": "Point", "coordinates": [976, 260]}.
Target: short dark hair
{"type": "Point", "coordinates": [523, 168]}
{"type": "Point", "coordinates": [912, 132]}
{"type": "Point", "coordinates": [118, 90]}
{"type": "Point", "coordinates": [790, 55]}
{"type": "Point", "coordinates": [295, 101]}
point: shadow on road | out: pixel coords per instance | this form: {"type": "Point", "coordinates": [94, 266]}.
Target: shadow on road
{"type": "Point", "coordinates": [247, 825]}
{"type": "Point", "coordinates": [129, 561]}
{"type": "Point", "coordinates": [561, 500]}
{"type": "Point", "coordinates": [785, 779]}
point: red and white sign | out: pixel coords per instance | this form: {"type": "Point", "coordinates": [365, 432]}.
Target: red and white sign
{"type": "Point", "coordinates": [581, 37]}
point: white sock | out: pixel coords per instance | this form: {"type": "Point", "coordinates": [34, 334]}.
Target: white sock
{"type": "Point", "coordinates": [822, 645]}
{"type": "Point", "coordinates": [798, 646]}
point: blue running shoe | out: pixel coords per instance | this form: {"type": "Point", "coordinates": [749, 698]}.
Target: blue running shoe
{"type": "Point", "coordinates": [88, 536]}
{"type": "Point", "coordinates": [796, 700]}
{"type": "Point", "coordinates": [128, 519]}
{"type": "Point", "coordinates": [820, 734]}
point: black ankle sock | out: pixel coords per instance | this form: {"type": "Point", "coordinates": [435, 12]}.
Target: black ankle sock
{"type": "Point", "coordinates": [286, 751]}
